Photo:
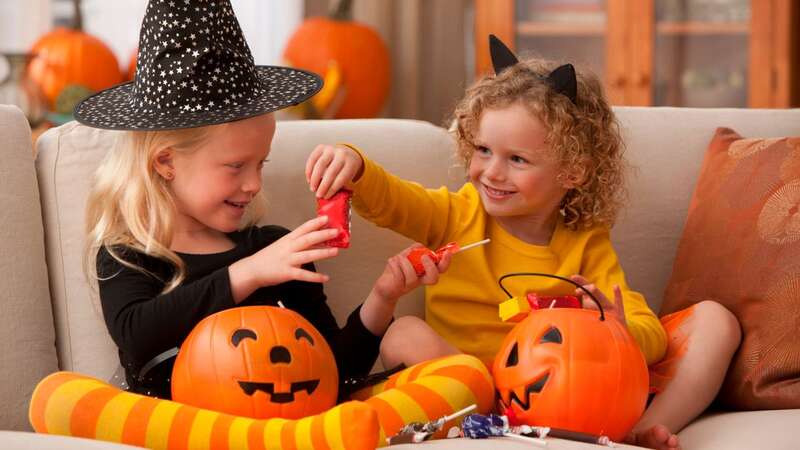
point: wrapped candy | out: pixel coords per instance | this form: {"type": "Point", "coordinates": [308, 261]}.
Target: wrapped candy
{"type": "Point", "coordinates": [546, 301]}
{"type": "Point", "coordinates": [479, 426]}
{"type": "Point", "coordinates": [517, 308]}
{"type": "Point", "coordinates": [415, 432]}
{"type": "Point", "coordinates": [337, 208]}
{"type": "Point", "coordinates": [416, 254]}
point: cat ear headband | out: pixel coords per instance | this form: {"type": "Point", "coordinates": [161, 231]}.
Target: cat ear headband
{"type": "Point", "coordinates": [562, 79]}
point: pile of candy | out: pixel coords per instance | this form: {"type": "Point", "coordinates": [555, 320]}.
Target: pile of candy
{"type": "Point", "coordinates": [479, 426]}
{"type": "Point", "coordinates": [416, 432]}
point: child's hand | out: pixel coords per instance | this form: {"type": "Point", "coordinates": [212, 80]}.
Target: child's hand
{"type": "Point", "coordinates": [616, 309]}
{"type": "Point", "coordinates": [399, 277]}
{"type": "Point", "coordinates": [282, 260]}
{"type": "Point", "coordinates": [330, 168]}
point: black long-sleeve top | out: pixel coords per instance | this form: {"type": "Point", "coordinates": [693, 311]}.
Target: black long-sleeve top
{"type": "Point", "coordinates": [145, 323]}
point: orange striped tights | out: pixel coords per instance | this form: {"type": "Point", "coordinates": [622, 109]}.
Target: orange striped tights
{"type": "Point", "coordinates": [75, 405]}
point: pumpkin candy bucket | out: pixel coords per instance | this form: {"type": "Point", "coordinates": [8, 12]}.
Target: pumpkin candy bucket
{"type": "Point", "coordinates": [572, 368]}
{"type": "Point", "coordinates": [256, 361]}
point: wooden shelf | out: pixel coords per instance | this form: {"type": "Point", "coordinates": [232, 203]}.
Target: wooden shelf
{"type": "Point", "coordinates": [703, 28]}
{"type": "Point", "coordinates": [624, 43]}
{"type": "Point", "coordinates": [531, 28]}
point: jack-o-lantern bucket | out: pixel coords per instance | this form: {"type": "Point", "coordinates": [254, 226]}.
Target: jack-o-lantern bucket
{"type": "Point", "coordinates": [256, 361]}
{"type": "Point", "coordinates": [574, 369]}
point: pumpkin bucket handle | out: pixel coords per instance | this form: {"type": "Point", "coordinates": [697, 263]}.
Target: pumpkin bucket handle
{"type": "Point", "coordinates": [547, 275]}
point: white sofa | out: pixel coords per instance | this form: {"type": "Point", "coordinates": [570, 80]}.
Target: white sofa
{"type": "Point", "coordinates": [50, 321]}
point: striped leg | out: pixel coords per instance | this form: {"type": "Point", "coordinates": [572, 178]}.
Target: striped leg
{"type": "Point", "coordinates": [428, 391]}
{"type": "Point", "coordinates": [75, 405]}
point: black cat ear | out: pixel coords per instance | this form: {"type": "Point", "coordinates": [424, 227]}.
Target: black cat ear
{"type": "Point", "coordinates": [502, 56]}
{"type": "Point", "coordinates": [563, 80]}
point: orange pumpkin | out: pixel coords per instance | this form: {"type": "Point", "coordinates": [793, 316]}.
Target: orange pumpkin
{"type": "Point", "coordinates": [256, 361]}
{"type": "Point", "coordinates": [567, 368]}
{"type": "Point", "coordinates": [131, 70]}
{"type": "Point", "coordinates": [66, 57]}
{"type": "Point", "coordinates": [359, 52]}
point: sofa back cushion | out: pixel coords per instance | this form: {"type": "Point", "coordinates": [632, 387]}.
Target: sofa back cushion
{"type": "Point", "coordinates": [68, 156]}
{"type": "Point", "coordinates": [27, 339]}
{"type": "Point", "coordinates": [664, 145]}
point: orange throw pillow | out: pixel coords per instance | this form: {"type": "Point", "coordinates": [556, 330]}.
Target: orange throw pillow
{"type": "Point", "coordinates": [741, 248]}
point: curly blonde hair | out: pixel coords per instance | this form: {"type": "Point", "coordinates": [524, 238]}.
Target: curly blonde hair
{"type": "Point", "coordinates": [584, 135]}
{"type": "Point", "coordinates": [131, 206]}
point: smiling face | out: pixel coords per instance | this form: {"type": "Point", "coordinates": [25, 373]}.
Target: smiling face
{"type": "Point", "coordinates": [214, 182]}
{"type": "Point", "coordinates": [267, 362]}
{"type": "Point", "coordinates": [513, 168]}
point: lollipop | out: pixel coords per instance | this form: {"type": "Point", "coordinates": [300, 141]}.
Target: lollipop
{"type": "Point", "coordinates": [415, 432]}
{"type": "Point", "coordinates": [416, 254]}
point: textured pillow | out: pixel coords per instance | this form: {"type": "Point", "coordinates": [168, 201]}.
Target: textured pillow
{"type": "Point", "coordinates": [741, 248]}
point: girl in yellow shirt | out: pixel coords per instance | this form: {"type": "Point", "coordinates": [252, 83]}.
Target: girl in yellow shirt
{"type": "Point", "coordinates": [543, 155]}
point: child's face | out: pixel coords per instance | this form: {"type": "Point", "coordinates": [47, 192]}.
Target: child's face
{"type": "Point", "coordinates": [214, 184]}
{"type": "Point", "coordinates": [513, 169]}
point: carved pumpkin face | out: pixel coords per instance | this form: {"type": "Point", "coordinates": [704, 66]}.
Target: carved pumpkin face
{"type": "Point", "coordinates": [256, 361]}
{"type": "Point", "coordinates": [565, 368]}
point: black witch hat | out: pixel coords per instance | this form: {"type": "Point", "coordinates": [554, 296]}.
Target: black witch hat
{"type": "Point", "coordinates": [194, 68]}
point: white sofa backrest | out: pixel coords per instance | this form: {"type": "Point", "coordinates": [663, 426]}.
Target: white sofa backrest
{"type": "Point", "coordinates": [27, 350]}
{"type": "Point", "coordinates": [665, 144]}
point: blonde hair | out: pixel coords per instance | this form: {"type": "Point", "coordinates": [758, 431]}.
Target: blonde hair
{"type": "Point", "coordinates": [583, 135]}
{"type": "Point", "coordinates": [131, 206]}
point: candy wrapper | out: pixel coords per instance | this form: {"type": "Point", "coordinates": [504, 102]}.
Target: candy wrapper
{"type": "Point", "coordinates": [479, 426]}
{"type": "Point", "coordinates": [416, 432]}
{"type": "Point", "coordinates": [416, 254]}
{"type": "Point", "coordinates": [337, 208]}
{"type": "Point", "coordinates": [546, 301]}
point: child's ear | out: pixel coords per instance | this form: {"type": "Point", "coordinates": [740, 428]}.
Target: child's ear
{"type": "Point", "coordinates": [163, 164]}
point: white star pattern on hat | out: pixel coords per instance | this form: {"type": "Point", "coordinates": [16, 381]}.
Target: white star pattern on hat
{"type": "Point", "coordinates": [189, 76]}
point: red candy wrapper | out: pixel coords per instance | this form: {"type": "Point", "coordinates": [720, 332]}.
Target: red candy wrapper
{"type": "Point", "coordinates": [337, 208]}
{"type": "Point", "coordinates": [544, 301]}
{"type": "Point", "coordinates": [416, 254]}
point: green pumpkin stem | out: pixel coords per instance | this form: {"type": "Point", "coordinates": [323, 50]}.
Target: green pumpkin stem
{"type": "Point", "coordinates": [343, 11]}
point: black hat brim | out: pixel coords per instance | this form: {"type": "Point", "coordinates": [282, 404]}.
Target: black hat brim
{"type": "Point", "coordinates": [113, 108]}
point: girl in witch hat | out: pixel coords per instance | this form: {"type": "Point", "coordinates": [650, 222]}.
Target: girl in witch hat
{"type": "Point", "coordinates": [172, 210]}
{"type": "Point", "coordinates": [543, 155]}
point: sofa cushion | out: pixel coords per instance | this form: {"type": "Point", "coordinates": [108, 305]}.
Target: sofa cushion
{"type": "Point", "coordinates": [741, 247]}
{"type": "Point", "coordinates": [68, 156]}
{"type": "Point", "coordinates": [773, 430]}
{"type": "Point", "coordinates": [28, 350]}
{"type": "Point", "coordinates": [66, 159]}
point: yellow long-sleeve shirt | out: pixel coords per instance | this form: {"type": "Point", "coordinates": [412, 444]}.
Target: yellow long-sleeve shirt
{"type": "Point", "coordinates": [463, 306]}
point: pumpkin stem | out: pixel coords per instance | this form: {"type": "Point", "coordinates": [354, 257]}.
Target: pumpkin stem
{"type": "Point", "coordinates": [343, 11]}
{"type": "Point", "coordinates": [77, 23]}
